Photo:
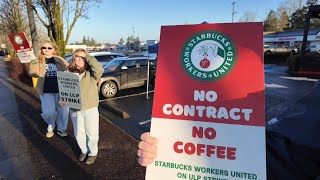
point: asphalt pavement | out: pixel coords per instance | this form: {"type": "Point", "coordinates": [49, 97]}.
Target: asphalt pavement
{"type": "Point", "coordinates": [137, 105]}
{"type": "Point", "coordinates": [15, 162]}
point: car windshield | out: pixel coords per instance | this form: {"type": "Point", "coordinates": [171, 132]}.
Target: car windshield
{"type": "Point", "coordinates": [112, 65]}
{"type": "Point", "coordinates": [69, 58]}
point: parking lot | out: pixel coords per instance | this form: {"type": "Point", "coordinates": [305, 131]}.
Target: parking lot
{"type": "Point", "coordinates": [281, 91]}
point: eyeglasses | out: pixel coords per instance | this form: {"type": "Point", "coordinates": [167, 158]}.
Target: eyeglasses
{"type": "Point", "coordinates": [84, 58]}
{"type": "Point", "coordinates": [47, 48]}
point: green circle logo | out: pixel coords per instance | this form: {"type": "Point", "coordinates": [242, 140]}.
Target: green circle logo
{"type": "Point", "coordinates": [208, 56]}
{"type": "Point", "coordinates": [18, 39]}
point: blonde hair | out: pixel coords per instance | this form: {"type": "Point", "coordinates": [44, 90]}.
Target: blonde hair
{"type": "Point", "coordinates": [41, 57]}
{"type": "Point", "coordinates": [72, 66]}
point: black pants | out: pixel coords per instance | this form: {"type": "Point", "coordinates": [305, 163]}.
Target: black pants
{"type": "Point", "coordinates": [293, 140]}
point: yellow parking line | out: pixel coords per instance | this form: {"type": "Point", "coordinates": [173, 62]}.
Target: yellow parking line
{"type": "Point", "coordinates": [119, 128]}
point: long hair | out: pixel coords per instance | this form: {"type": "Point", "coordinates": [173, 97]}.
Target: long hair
{"type": "Point", "coordinates": [73, 66]}
{"type": "Point", "coordinates": [41, 57]}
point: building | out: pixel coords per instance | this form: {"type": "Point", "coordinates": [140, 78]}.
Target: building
{"type": "Point", "coordinates": [292, 38]}
{"type": "Point", "coordinates": [71, 48]}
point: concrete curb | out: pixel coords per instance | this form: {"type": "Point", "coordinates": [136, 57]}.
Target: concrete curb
{"type": "Point", "coordinates": [114, 110]}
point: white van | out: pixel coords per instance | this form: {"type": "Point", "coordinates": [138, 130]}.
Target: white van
{"type": "Point", "coordinates": [315, 48]}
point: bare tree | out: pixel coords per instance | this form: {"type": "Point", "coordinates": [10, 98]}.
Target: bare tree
{"type": "Point", "coordinates": [11, 16]}
{"type": "Point", "coordinates": [12, 19]}
{"type": "Point", "coordinates": [56, 12]}
{"type": "Point", "coordinates": [33, 28]}
{"type": "Point", "coordinates": [291, 5]}
{"type": "Point", "coordinates": [248, 16]}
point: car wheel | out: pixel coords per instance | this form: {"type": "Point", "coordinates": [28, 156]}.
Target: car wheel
{"type": "Point", "coordinates": [109, 89]}
{"type": "Point", "coordinates": [268, 52]}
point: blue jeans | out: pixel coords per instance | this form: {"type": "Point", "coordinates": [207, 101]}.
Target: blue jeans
{"type": "Point", "coordinates": [86, 129]}
{"type": "Point", "coordinates": [52, 113]}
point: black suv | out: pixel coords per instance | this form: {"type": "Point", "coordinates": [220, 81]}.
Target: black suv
{"type": "Point", "coordinates": [126, 72]}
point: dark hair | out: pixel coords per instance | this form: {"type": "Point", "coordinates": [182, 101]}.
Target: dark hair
{"type": "Point", "coordinates": [73, 66]}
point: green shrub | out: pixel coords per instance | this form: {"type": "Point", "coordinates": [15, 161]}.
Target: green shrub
{"type": "Point", "coordinates": [17, 71]}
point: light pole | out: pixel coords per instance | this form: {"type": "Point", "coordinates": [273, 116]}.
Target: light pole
{"type": "Point", "coordinates": [233, 12]}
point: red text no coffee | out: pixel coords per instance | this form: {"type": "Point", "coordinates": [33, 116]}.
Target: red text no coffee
{"type": "Point", "coordinates": [220, 152]}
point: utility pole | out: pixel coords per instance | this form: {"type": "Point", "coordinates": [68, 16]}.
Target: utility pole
{"type": "Point", "coordinates": [132, 31]}
{"type": "Point", "coordinates": [233, 12]}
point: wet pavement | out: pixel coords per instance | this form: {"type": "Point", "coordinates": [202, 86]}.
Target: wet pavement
{"type": "Point", "coordinates": [282, 90]}
{"type": "Point", "coordinates": [15, 162]}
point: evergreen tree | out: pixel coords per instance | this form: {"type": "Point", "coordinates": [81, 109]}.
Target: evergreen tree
{"type": "Point", "coordinates": [283, 20]}
{"type": "Point", "coordinates": [121, 42]}
{"type": "Point", "coordinates": [297, 19]}
{"type": "Point", "coordinates": [311, 2]}
{"type": "Point", "coordinates": [84, 40]}
{"type": "Point", "coordinates": [93, 42]}
{"type": "Point", "coordinates": [314, 22]}
{"type": "Point", "coordinates": [271, 23]}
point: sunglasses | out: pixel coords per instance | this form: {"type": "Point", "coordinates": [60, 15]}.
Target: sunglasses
{"type": "Point", "coordinates": [47, 48]}
{"type": "Point", "coordinates": [84, 58]}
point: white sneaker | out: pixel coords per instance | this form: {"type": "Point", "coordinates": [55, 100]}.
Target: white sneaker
{"type": "Point", "coordinates": [62, 133]}
{"type": "Point", "coordinates": [49, 134]}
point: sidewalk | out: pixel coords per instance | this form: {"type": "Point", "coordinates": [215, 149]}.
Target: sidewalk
{"type": "Point", "coordinates": [15, 162]}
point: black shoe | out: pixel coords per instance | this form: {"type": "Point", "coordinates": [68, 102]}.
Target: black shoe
{"type": "Point", "coordinates": [62, 133]}
{"type": "Point", "coordinates": [90, 159]}
{"type": "Point", "coordinates": [82, 157]}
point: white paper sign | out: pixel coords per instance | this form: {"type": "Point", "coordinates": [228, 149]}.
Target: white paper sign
{"type": "Point", "coordinates": [69, 89]}
{"type": "Point", "coordinates": [26, 56]}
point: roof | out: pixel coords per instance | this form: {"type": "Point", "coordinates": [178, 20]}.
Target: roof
{"type": "Point", "coordinates": [103, 53]}
{"type": "Point", "coordinates": [134, 58]}
{"type": "Point", "coordinates": [292, 33]}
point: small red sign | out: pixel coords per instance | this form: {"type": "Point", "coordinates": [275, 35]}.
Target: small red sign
{"type": "Point", "coordinates": [19, 42]}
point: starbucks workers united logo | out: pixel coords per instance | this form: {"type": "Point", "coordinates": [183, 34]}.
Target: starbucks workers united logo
{"type": "Point", "coordinates": [208, 56]}
{"type": "Point", "coordinates": [18, 39]}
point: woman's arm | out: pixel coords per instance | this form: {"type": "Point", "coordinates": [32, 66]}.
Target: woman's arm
{"type": "Point", "coordinates": [33, 68]}
{"type": "Point", "coordinates": [96, 67]}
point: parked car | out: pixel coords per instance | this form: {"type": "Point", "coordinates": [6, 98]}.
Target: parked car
{"type": "Point", "coordinates": [102, 57]}
{"type": "Point", "coordinates": [105, 57]}
{"type": "Point", "coordinates": [315, 48]}
{"type": "Point", "coordinates": [268, 49]}
{"type": "Point", "coordinates": [126, 72]}
{"type": "Point", "coordinates": [68, 55]}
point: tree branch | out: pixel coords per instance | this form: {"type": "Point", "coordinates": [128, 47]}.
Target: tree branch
{"type": "Point", "coordinates": [41, 20]}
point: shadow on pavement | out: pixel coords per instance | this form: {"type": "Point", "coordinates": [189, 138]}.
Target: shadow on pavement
{"type": "Point", "coordinates": [56, 158]}
{"type": "Point", "coordinates": [42, 150]}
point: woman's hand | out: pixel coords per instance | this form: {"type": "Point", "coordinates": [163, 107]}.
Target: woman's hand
{"type": "Point", "coordinates": [61, 103]}
{"type": "Point", "coordinates": [147, 149]}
